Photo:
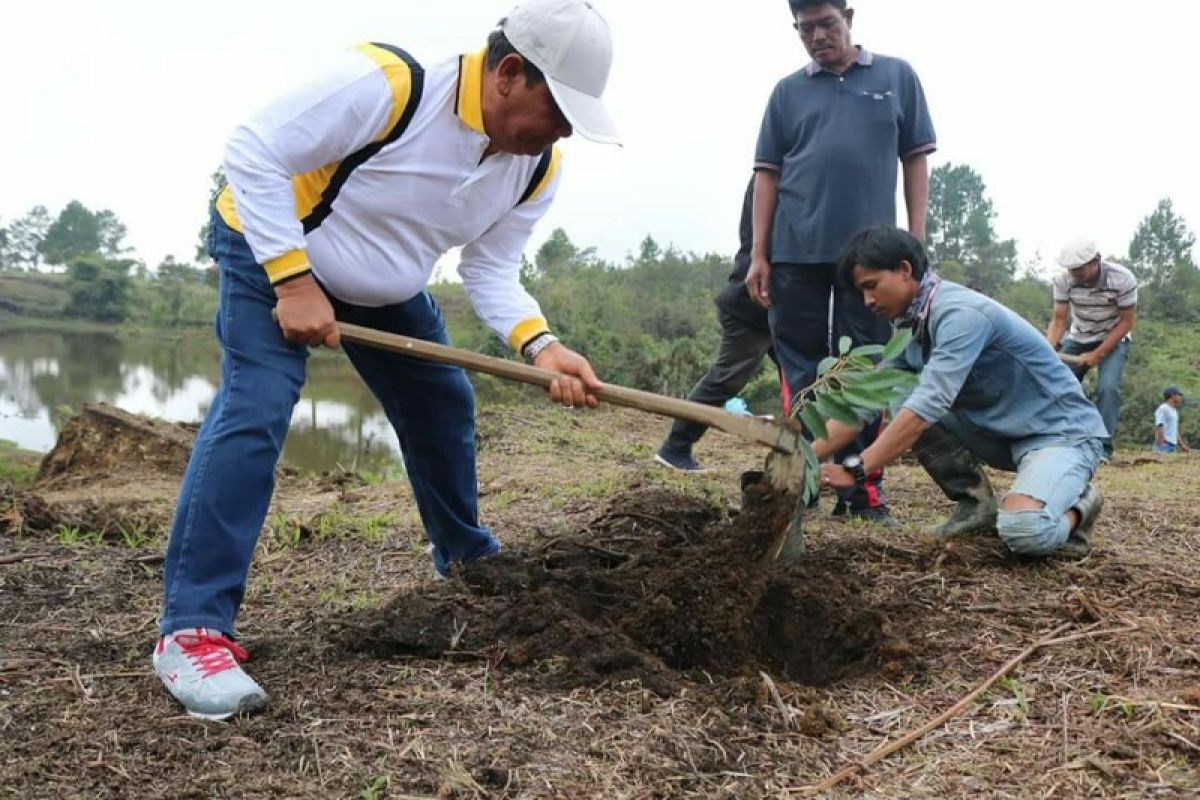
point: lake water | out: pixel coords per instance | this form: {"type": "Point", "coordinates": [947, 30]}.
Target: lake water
{"type": "Point", "coordinates": [46, 376]}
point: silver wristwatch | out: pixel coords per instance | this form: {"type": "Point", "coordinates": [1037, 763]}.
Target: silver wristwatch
{"type": "Point", "coordinates": [854, 465]}
{"type": "Point", "coordinates": [536, 345]}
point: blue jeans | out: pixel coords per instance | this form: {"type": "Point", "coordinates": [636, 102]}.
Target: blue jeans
{"type": "Point", "coordinates": [1108, 383]}
{"type": "Point", "coordinates": [801, 327]}
{"type": "Point", "coordinates": [1055, 475]}
{"type": "Point", "coordinates": [230, 477]}
{"type": "Point", "coordinates": [1165, 447]}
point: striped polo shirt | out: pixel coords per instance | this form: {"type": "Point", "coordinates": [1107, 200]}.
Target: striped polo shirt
{"type": "Point", "coordinates": [369, 172]}
{"type": "Point", "coordinates": [1095, 309]}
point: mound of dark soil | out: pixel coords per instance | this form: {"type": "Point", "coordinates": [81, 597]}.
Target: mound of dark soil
{"type": "Point", "coordinates": [659, 588]}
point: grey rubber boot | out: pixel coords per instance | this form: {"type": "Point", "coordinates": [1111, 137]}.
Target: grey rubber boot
{"type": "Point", "coordinates": [957, 472]}
{"type": "Point", "coordinates": [1089, 505]}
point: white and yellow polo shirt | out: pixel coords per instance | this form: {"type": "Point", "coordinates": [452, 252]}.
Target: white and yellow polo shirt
{"type": "Point", "coordinates": [372, 170]}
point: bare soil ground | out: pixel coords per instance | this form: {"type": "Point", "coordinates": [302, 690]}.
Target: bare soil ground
{"type": "Point", "coordinates": [627, 643]}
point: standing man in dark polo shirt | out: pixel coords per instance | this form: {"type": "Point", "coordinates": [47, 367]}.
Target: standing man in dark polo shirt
{"type": "Point", "coordinates": [826, 166]}
{"type": "Point", "coordinates": [745, 339]}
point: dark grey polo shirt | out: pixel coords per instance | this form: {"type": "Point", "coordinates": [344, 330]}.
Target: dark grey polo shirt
{"type": "Point", "coordinates": [836, 141]}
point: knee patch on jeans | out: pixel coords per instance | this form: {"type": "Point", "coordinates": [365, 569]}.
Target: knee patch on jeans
{"type": "Point", "coordinates": [1034, 532]}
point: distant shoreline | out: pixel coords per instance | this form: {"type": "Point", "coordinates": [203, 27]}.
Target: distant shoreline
{"type": "Point", "coordinates": [16, 464]}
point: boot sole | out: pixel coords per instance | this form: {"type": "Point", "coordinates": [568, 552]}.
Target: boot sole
{"type": "Point", "coordinates": [935, 538]}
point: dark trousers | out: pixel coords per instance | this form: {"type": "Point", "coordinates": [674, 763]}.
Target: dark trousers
{"type": "Point", "coordinates": [745, 339]}
{"type": "Point", "coordinates": [809, 314]}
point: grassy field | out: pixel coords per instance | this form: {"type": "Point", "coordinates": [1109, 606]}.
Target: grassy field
{"type": "Point", "coordinates": [626, 645]}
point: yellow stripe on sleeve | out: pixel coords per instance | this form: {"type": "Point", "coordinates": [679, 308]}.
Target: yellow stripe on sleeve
{"type": "Point", "coordinates": [288, 265]}
{"type": "Point", "coordinates": [524, 331]}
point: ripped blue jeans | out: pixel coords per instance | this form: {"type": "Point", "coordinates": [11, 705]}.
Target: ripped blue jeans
{"type": "Point", "coordinates": [1057, 475]}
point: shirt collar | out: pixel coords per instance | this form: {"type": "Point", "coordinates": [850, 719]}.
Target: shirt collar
{"type": "Point", "coordinates": [468, 98]}
{"type": "Point", "coordinates": [865, 59]}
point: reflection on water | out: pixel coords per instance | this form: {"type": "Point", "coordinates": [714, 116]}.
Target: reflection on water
{"type": "Point", "coordinates": [46, 377]}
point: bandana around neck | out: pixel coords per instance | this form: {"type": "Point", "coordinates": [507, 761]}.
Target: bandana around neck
{"type": "Point", "coordinates": [918, 310]}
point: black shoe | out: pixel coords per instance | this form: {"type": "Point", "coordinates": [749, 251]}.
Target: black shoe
{"type": "Point", "coordinates": [840, 509]}
{"type": "Point", "coordinates": [879, 516]}
{"type": "Point", "coordinates": [681, 460]}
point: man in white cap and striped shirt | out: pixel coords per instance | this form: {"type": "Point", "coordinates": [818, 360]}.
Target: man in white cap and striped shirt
{"type": "Point", "coordinates": [1101, 296]}
{"type": "Point", "coordinates": [343, 193]}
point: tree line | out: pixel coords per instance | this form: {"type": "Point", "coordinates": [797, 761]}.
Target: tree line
{"type": "Point", "coordinates": [964, 247]}
{"type": "Point", "coordinates": [648, 320]}
{"type": "Point", "coordinates": [103, 281]}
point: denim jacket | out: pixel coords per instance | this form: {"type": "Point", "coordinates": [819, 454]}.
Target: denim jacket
{"type": "Point", "coordinates": [996, 372]}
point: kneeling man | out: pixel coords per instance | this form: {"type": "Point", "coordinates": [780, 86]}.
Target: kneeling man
{"type": "Point", "coordinates": [991, 389]}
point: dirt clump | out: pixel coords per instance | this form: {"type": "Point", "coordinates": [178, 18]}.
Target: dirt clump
{"type": "Point", "coordinates": [114, 476]}
{"type": "Point", "coordinates": [111, 475]}
{"type": "Point", "coordinates": [104, 442]}
{"type": "Point", "coordinates": [659, 587]}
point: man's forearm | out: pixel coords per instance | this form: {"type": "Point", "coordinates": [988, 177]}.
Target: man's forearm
{"type": "Point", "coordinates": [900, 435]}
{"type": "Point", "coordinates": [1054, 333]}
{"type": "Point", "coordinates": [840, 435]}
{"type": "Point", "coordinates": [762, 218]}
{"type": "Point", "coordinates": [916, 193]}
{"type": "Point", "coordinates": [1113, 339]}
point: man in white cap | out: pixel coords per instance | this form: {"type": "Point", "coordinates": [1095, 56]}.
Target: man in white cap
{"type": "Point", "coordinates": [342, 195]}
{"type": "Point", "coordinates": [1101, 296]}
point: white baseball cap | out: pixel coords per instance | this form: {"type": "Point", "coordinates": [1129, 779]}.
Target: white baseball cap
{"type": "Point", "coordinates": [1077, 252]}
{"type": "Point", "coordinates": [570, 43]}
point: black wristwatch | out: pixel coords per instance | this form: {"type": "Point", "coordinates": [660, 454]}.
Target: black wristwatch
{"type": "Point", "coordinates": [854, 465]}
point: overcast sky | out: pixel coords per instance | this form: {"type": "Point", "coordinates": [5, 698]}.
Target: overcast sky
{"type": "Point", "coordinates": [1078, 114]}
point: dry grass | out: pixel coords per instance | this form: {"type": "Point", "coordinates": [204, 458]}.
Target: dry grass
{"type": "Point", "coordinates": [1117, 715]}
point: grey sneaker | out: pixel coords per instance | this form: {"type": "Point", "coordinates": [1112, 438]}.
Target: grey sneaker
{"type": "Point", "coordinates": [1089, 505]}
{"type": "Point", "coordinates": [200, 668]}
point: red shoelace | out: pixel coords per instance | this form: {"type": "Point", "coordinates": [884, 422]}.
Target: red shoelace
{"type": "Point", "coordinates": [211, 654]}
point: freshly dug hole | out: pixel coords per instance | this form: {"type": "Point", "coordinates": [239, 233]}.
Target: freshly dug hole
{"type": "Point", "coordinates": [660, 588]}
